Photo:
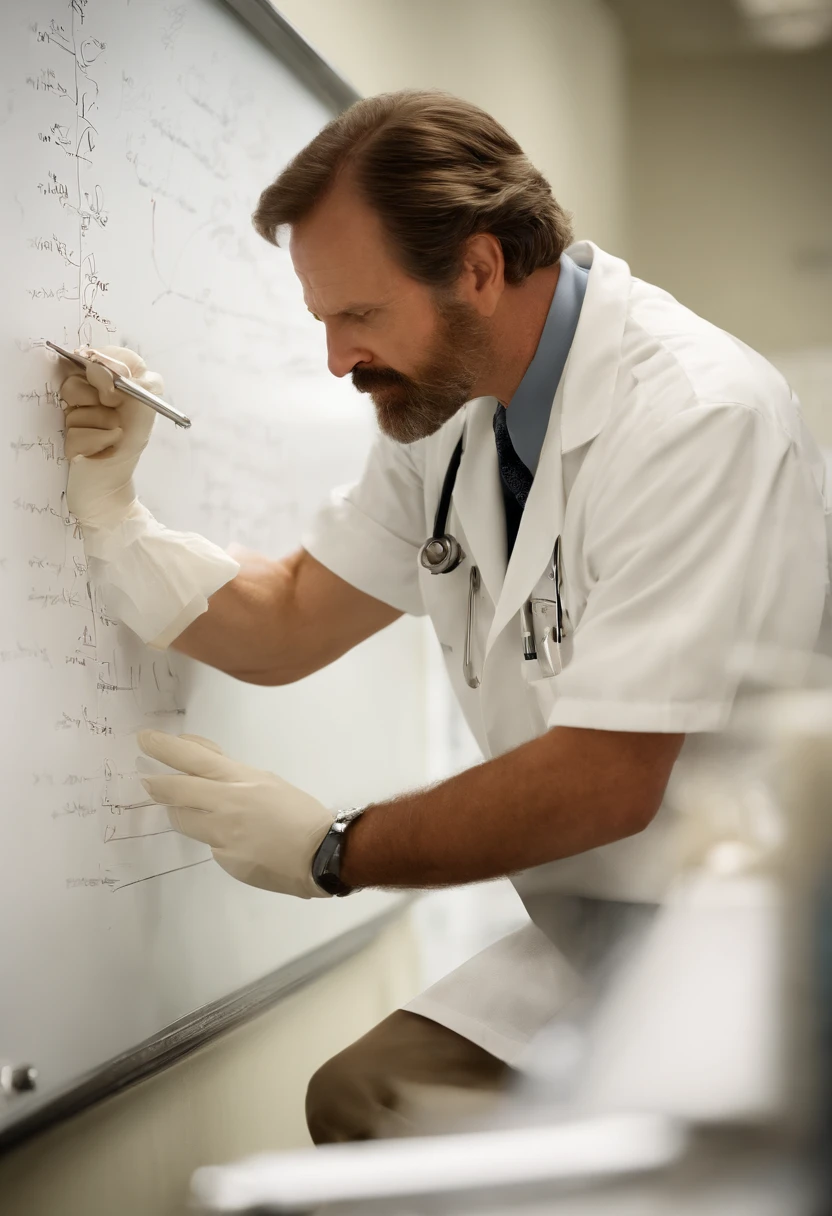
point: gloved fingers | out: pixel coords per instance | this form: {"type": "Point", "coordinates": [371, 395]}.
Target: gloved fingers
{"type": "Point", "coordinates": [198, 793]}
{"type": "Point", "coordinates": [209, 743]}
{"type": "Point", "coordinates": [89, 441]}
{"type": "Point", "coordinates": [187, 756]}
{"type": "Point", "coordinates": [76, 390]}
{"type": "Point", "coordinates": [137, 420]}
{"type": "Point", "coordinates": [119, 359]}
{"type": "Point", "coordinates": [92, 415]}
{"type": "Point", "coordinates": [101, 378]}
{"type": "Point", "coordinates": [198, 825]}
{"type": "Point", "coordinates": [153, 382]}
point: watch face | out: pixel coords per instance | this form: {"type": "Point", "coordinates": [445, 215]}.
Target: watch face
{"type": "Point", "coordinates": [327, 865]}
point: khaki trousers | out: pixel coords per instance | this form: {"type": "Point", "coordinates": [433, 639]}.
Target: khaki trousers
{"type": "Point", "coordinates": [408, 1076]}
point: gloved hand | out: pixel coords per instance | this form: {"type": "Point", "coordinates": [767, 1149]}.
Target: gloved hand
{"type": "Point", "coordinates": [154, 579]}
{"type": "Point", "coordinates": [261, 830]}
{"type": "Point", "coordinates": [106, 433]}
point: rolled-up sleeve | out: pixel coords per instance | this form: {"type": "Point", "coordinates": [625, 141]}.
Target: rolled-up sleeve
{"type": "Point", "coordinates": [705, 540]}
{"type": "Point", "coordinates": [370, 533]}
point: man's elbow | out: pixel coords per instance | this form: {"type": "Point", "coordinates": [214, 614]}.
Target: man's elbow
{"type": "Point", "coordinates": [639, 815]}
{"type": "Point", "coordinates": [639, 786]}
{"type": "Point", "coordinates": [634, 813]}
{"type": "Point", "coordinates": [268, 678]}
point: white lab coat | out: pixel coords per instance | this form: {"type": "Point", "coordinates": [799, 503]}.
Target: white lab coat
{"type": "Point", "coordinates": [690, 502]}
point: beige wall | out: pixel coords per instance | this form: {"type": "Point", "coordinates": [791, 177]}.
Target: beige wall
{"type": "Point", "coordinates": [134, 1154]}
{"type": "Point", "coordinates": [730, 191]}
{"type": "Point", "coordinates": [550, 70]}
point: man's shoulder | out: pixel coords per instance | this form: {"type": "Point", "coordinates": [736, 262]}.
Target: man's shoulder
{"type": "Point", "coordinates": [673, 360]}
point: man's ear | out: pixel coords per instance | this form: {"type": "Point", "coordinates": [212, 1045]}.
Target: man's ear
{"type": "Point", "coordinates": [482, 280]}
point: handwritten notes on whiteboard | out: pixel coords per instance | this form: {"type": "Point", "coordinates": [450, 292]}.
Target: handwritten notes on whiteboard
{"type": "Point", "coordinates": [131, 214]}
{"type": "Point", "coordinates": [137, 135]}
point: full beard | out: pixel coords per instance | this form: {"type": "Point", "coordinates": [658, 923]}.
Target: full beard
{"type": "Point", "coordinates": [413, 408]}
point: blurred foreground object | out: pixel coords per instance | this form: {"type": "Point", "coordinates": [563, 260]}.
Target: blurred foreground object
{"type": "Point", "coordinates": [722, 1007]}
{"type": "Point", "coordinates": [696, 1076]}
{"type": "Point", "coordinates": [388, 1170]}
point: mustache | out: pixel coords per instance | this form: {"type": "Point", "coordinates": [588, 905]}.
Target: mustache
{"type": "Point", "coordinates": [366, 379]}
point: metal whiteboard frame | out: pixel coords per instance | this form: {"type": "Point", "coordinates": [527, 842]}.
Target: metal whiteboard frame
{"type": "Point", "coordinates": [187, 1034]}
{"type": "Point", "coordinates": [195, 1030]}
{"type": "Point", "coordinates": [281, 37]}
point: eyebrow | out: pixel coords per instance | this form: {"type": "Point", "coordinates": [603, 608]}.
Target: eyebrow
{"type": "Point", "coordinates": [350, 308]}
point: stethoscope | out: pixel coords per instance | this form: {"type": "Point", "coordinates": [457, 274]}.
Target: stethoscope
{"type": "Point", "coordinates": [541, 617]}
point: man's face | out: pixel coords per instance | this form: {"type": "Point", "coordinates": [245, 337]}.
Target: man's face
{"type": "Point", "coordinates": [419, 353]}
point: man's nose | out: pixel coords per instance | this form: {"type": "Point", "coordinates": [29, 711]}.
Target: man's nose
{"type": "Point", "coordinates": [343, 354]}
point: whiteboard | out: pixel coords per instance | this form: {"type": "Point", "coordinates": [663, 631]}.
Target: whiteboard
{"type": "Point", "coordinates": [136, 138]}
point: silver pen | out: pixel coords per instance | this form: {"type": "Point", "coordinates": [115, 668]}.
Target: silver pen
{"type": "Point", "coordinates": [128, 386]}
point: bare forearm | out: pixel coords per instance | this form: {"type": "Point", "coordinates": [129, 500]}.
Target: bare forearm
{"type": "Point", "coordinates": [566, 792]}
{"type": "Point", "coordinates": [249, 630]}
{"type": "Point", "coordinates": [278, 621]}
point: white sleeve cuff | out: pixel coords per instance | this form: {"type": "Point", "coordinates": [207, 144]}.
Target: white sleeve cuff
{"type": "Point", "coordinates": [155, 580]}
{"type": "Point", "coordinates": [649, 717]}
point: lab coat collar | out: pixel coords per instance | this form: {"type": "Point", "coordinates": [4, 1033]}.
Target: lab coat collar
{"type": "Point", "coordinates": [594, 358]}
{"type": "Point", "coordinates": [478, 498]}
{"type": "Point", "coordinates": [540, 525]}
{"type": "Point", "coordinates": [581, 407]}
{"type": "Point", "coordinates": [528, 415]}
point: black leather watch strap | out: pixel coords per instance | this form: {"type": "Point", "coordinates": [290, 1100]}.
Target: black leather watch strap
{"type": "Point", "coordinates": [326, 864]}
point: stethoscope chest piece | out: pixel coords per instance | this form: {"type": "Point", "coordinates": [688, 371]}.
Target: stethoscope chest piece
{"type": "Point", "coordinates": [441, 554]}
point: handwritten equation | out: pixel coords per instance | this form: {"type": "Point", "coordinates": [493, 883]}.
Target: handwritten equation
{"type": "Point", "coordinates": [137, 137]}
{"type": "Point", "coordinates": [137, 164]}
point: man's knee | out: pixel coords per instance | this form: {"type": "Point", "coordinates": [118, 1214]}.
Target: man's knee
{"type": "Point", "coordinates": [343, 1102]}
{"type": "Point", "coordinates": [378, 1085]}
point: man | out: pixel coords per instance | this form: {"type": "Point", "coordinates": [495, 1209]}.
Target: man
{"type": "Point", "coordinates": [631, 497]}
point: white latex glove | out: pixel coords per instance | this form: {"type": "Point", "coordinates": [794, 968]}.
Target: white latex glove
{"type": "Point", "coordinates": [106, 433]}
{"type": "Point", "coordinates": [261, 830]}
{"type": "Point", "coordinates": [154, 579]}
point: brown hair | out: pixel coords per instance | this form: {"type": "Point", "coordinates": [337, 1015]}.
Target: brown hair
{"type": "Point", "coordinates": [437, 170]}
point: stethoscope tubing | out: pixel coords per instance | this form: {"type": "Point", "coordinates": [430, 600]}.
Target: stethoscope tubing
{"type": "Point", "coordinates": [441, 553]}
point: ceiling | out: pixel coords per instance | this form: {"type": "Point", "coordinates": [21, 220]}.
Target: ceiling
{"type": "Point", "coordinates": [685, 27]}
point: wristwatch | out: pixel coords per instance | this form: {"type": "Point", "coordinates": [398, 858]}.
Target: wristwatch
{"type": "Point", "coordinates": [326, 864]}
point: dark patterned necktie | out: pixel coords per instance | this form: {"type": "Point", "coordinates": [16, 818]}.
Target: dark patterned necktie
{"type": "Point", "coordinates": [515, 478]}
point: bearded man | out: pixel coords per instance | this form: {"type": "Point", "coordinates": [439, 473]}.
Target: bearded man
{"type": "Point", "coordinates": [616, 495]}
